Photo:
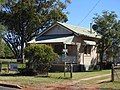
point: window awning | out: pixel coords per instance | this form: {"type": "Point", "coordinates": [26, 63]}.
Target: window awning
{"type": "Point", "coordinates": [65, 40]}
{"type": "Point", "coordinates": [90, 42]}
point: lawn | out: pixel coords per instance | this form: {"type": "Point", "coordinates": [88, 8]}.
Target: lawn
{"type": "Point", "coordinates": [110, 85]}
{"type": "Point", "coordinates": [114, 85]}
{"type": "Point", "coordinates": [58, 77]}
{"type": "Point", "coordinates": [104, 83]}
{"type": "Point", "coordinates": [53, 78]}
{"type": "Point", "coordinates": [80, 75]}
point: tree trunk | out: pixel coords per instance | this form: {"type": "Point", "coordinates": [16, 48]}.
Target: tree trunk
{"type": "Point", "coordinates": [21, 55]}
{"type": "Point", "coordinates": [101, 56]}
{"type": "Point", "coordinates": [101, 59]}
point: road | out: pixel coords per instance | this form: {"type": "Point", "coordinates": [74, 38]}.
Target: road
{"type": "Point", "coordinates": [7, 88]}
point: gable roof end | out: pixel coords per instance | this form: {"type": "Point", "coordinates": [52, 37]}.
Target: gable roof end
{"type": "Point", "coordinates": [76, 29]}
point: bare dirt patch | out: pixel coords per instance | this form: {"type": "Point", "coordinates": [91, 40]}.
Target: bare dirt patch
{"type": "Point", "coordinates": [63, 87]}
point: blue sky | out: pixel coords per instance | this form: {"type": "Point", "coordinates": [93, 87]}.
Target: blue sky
{"type": "Point", "coordinates": [78, 9]}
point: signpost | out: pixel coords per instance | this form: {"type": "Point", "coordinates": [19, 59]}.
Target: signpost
{"type": "Point", "coordinates": [64, 56]}
{"type": "Point", "coordinates": [71, 70]}
{"type": "Point", "coordinates": [65, 50]}
{"type": "Point", "coordinates": [65, 68]}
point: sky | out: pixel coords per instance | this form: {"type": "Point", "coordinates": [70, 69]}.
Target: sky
{"type": "Point", "coordinates": [78, 9]}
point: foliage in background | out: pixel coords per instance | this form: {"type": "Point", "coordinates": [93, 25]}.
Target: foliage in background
{"type": "Point", "coordinates": [24, 20]}
{"type": "Point", "coordinates": [1, 48]}
{"type": "Point", "coordinates": [39, 56]}
{"type": "Point", "coordinates": [109, 27]}
{"type": "Point", "coordinates": [1, 41]}
{"type": "Point", "coordinates": [5, 51]}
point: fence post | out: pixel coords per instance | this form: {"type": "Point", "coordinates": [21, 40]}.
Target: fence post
{"type": "Point", "coordinates": [8, 67]}
{"type": "Point", "coordinates": [64, 68]}
{"type": "Point", "coordinates": [112, 73]}
{"type": "Point", "coordinates": [71, 70]}
{"type": "Point", "coordinates": [0, 67]}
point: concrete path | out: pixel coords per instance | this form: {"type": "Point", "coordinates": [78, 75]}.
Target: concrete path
{"type": "Point", "coordinates": [96, 77]}
{"type": "Point", "coordinates": [90, 78]}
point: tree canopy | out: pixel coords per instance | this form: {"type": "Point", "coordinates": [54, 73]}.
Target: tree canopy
{"type": "Point", "coordinates": [109, 27]}
{"type": "Point", "coordinates": [24, 20]}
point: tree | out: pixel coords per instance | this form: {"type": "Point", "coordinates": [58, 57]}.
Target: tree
{"type": "Point", "coordinates": [1, 48]}
{"type": "Point", "coordinates": [39, 57]}
{"type": "Point", "coordinates": [2, 28]}
{"type": "Point", "coordinates": [7, 52]}
{"type": "Point", "coordinates": [24, 20]}
{"type": "Point", "coordinates": [109, 27]}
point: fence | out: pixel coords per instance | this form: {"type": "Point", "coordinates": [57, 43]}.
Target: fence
{"type": "Point", "coordinates": [10, 67]}
{"type": "Point", "coordinates": [69, 59]}
{"type": "Point", "coordinates": [66, 68]}
{"type": "Point", "coordinates": [115, 73]}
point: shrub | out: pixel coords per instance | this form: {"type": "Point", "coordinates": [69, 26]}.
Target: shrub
{"type": "Point", "coordinates": [39, 57]}
{"type": "Point", "coordinates": [27, 72]}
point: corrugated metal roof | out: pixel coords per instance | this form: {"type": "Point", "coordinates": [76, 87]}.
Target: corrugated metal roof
{"type": "Point", "coordinates": [80, 30]}
{"type": "Point", "coordinates": [65, 40]}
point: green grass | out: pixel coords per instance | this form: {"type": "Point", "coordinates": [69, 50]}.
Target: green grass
{"type": "Point", "coordinates": [80, 75]}
{"type": "Point", "coordinates": [110, 85]}
{"type": "Point", "coordinates": [93, 81]}
{"type": "Point", "coordinates": [105, 85]}
{"type": "Point", "coordinates": [53, 78]}
{"type": "Point", "coordinates": [59, 78]}
{"type": "Point", "coordinates": [27, 80]}
{"type": "Point", "coordinates": [8, 60]}
{"type": "Point", "coordinates": [89, 74]}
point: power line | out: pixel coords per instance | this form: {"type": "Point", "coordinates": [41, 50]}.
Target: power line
{"type": "Point", "coordinates": [89, 12]}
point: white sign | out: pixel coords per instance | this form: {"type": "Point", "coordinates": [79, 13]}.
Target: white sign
{"type": "Point", "coordinates": [65, 50]}
{"type": "Point", "coordinates": [13, 67]}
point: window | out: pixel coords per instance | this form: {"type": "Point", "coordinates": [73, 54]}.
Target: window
{"type": "Point", "coordinates": [58, 48]}
{"type": "Point", "coordinates": [87, 49]}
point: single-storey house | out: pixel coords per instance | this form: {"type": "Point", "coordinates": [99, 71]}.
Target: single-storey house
{"type": "Point", "coordinates": [72, 43]}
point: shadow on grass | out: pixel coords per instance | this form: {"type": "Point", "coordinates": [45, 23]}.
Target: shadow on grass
{"type": "Point", "coordinates": [104, 82]}
{"type": "Point", "coordinates": [11, 74]}
{"type": "Point", "coordinates": [36, 76]}
{"type": "Point", "coordinates": [53, 77]}
{"type": "Point", "coordinates": [109, 81]}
